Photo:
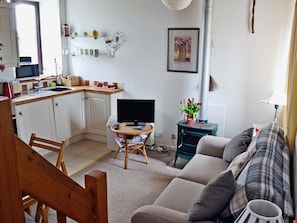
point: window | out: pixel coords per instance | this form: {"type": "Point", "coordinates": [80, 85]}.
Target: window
{"type": "Point", "coordinates": [28, 29]}
{"type": "Point", "coordinates": [39, 33]}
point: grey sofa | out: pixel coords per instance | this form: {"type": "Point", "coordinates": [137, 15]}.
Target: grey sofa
{"type": "Point", "coordinates": [176, 202]}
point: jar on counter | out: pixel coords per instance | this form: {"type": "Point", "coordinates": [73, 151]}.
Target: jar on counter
{"type": "Point", "coordinates": [66, 30]}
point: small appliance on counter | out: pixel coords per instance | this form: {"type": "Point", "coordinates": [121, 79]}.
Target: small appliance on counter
{"type": "Point", "coordinates": [27, 70]}
{"type": "Point", "coordinates": [17, 88]}
{"type": "Point", "coordinates": [7, 89]}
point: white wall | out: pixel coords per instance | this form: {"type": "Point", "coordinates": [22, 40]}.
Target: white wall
{"type": "Point", "coordinates": [7, 75]}
{"type": "Point", "coordinates": [248, 66]}
{"type": "Point", "coordinates": [50, 35]}
{"type": "Point", "coordinates": [244, 65]}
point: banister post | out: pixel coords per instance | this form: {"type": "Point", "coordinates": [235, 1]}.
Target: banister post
{"type": "Point", "coordinates": [96, 183]}
{"type": "Point", "coordinates": [11, 208]}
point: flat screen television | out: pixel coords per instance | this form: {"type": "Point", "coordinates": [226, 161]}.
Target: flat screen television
{"type": "Point", "coordinates": [136, 111]}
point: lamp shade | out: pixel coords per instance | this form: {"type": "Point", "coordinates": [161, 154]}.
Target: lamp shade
{"type": "Point", "coordinates": [260, 211]}
{"type": "Point", "coordinates": [275, 98]}
{"type": "Point", "coordinates": [176, 4]}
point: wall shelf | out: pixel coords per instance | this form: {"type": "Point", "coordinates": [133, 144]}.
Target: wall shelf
{"type": "Point", "coordinates": [112, 44]}
{"type": "Point", "coordinates": [73, 36]}
{"type": "Point", "coordinates": [105, 53]}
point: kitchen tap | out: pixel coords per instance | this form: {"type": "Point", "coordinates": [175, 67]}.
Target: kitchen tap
{"type": "Point", "coordinates": [39, 84]}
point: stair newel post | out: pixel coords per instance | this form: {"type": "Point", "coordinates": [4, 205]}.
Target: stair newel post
{"type": "Point", "coordinates": [10, 190]}
{"type": "Point", "coordinates": [96, 183]}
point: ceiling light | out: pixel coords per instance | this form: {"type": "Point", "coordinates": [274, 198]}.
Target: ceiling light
{"type": "Point", "coordinates": [176, 4]}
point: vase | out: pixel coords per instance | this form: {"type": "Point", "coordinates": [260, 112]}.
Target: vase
{"type": "Point", "coordinates": [189, 119]}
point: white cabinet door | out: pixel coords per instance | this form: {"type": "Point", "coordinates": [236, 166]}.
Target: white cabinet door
{"type": "Point", "coordinates": [35, 117]}
{"type": "Point", "coordinates": [8, 43]}
{"type": "Point", "coordinates": [97, 112]}
{"type": "Point", "coordinates": [69, 115]}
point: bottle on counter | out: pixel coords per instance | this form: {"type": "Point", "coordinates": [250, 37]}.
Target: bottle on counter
{"type": "Point", "coordinates": [59, 80]}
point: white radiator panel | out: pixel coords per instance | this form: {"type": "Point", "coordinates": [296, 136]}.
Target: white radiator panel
{"type": "Point", "coordinates": [151, 139]}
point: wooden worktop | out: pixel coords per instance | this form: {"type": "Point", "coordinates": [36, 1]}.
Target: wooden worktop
{"type": "Point", "coordinates": [26, 98]}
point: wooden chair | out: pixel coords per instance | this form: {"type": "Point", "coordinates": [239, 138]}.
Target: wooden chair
{"type": "Point", "coordinates": [24, 171]}
{"type": "Point", "coordinates": [48, 145]}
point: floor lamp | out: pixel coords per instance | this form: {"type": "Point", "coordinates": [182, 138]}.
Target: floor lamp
{"type": "Point", "coordinates": [275, 99]}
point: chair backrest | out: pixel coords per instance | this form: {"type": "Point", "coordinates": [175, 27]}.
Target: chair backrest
{"type": "Point", "coordinates": [58, 148]}
{"type": "Point", "coordinates": [50, 145]}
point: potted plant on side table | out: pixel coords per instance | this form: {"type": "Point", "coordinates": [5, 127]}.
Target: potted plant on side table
{"type": "Point", "coordinates": [191, 108]}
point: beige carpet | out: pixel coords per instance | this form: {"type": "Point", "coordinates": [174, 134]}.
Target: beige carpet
{"type": "Point", "coordinates": [130, 188]}
{"type": "Point", "coordinates": [168, 157]}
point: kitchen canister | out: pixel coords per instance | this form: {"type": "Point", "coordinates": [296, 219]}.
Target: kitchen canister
{"type": "Point", "coordinates": [260, 211]}
{"type": "Point", "coordinates": [7, 89]}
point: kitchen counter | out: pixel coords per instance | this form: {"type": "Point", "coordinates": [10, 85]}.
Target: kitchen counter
{"type": "Point", "coordinates": [26, 97]}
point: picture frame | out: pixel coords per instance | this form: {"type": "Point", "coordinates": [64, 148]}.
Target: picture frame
{"type": "Point", "coordinates": [183, 50]}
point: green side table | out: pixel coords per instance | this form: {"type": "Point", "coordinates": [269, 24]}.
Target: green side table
{"type": "Point", "coordinates": [189, 136]}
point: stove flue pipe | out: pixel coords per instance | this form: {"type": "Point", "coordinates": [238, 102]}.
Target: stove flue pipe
{"type": "Point", "coordinates": [206, 58]}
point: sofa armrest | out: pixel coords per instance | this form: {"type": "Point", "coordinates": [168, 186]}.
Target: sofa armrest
{"type": "Point", "coordinates": [158, 214]}
{"type": "Point", "coordinates": [212, 145]}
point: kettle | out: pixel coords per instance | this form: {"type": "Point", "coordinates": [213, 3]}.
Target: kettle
{"type": "Point", "coordinates": [7, 89]}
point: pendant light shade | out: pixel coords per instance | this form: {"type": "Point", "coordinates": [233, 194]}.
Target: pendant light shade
{"type": "Point", "coordinates": [176, 4]}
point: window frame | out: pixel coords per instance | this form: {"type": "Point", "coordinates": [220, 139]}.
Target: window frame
{"type": "Point", "coordinates": [38, 32]}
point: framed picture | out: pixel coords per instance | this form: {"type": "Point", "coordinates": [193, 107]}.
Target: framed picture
{"type": "Point", "coordinates": [183, 48]}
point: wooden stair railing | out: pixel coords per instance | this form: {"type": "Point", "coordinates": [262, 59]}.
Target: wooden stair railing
{"type": "Point", "coordinates": [23, 170]}
{"type": "Point", "coordinates": [11, 208]}
{"type": "Point", "coordinates": [55, 147]}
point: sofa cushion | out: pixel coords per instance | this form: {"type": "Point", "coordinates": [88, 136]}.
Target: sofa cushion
{"type": "Point", "coordinates": [158, 214]}
{"type": "Point", "coordinates": [238, 144]}
{"type": "Point", "coordinates": [203, 168]}
{"type": "Point", "coordinates": [267, 174]}
{"type": "Point", "coordinates": [179, 195]}
{"type": "Point", "coordinates": [212, 145]}
{"type": "Point", "coordinates": [213, 198]}
{"type": "Point", "coordinates": [239, 162]}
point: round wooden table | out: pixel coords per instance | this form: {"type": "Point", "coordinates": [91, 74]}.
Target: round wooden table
{"type": "Point", "coordinates": [130, 138]}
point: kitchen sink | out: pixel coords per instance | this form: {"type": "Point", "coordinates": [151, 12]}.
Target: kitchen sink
{"type": "Point", "coordinates": [48, 90]}
{"type": "Point", "coordinates": [39, 92]}
{"type": "Point", "coordinates": [60, 89]}
{"type": "Point", "coordinates": [56, 88]}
